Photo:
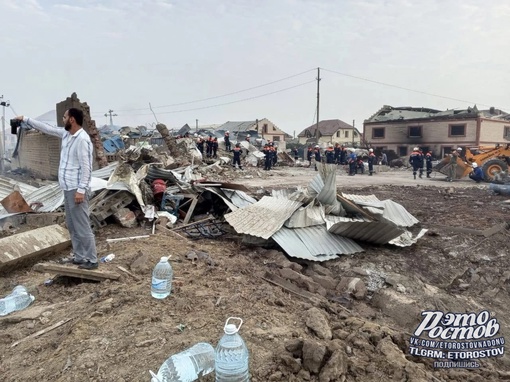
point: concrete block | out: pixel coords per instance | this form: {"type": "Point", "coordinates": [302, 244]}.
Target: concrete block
{"type": "Point", "coordinates": [30, 245]}
{"type": "Point", "coordinates": [45, 219]}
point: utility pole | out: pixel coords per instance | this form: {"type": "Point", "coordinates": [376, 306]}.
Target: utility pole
{"type": "Point", "coordinates": [196, 128]}
{"type": "Point", "coordinates": [318, 103]}
{"type": "Point", "coordinates": [110, 112]}
{"type": "Point", "coordinates": [4, 104]}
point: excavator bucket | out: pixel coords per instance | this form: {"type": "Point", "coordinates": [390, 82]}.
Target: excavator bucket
{"type": "Point", "coordinates": [461, 170]}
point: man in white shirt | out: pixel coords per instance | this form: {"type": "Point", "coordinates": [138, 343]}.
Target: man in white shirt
{"type": "Point", "coordinates": [74, 176]}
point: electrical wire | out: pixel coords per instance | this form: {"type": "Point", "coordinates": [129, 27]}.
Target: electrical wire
{"type": "Point", "coordinates": [404, 88]}
{"type": "Point", "coordinates": [228, 103]}
{"type": "Point", "coordinates": [218, 96]}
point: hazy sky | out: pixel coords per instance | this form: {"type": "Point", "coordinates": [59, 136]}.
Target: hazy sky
{"type": "Point", "coordinates": [123, 54]}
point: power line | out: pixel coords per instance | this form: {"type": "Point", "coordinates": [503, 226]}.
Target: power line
{"type": "Point", "coordinates": [229, 103]}
{"type": "Point", "coordinates": [404, 88]}
{"type": "Point", "coordinates": [219, 96]}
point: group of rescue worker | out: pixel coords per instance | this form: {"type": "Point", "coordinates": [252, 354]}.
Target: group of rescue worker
{"type": "Point", "coordinates": [417, 159]}
{"type": "Point", "coordinates": [341, 155]}
{"type": "Point", "coordinates": [210, 143]}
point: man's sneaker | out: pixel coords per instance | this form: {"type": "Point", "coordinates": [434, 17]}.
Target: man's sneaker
{"type": "Point", "coordinates": [88, 265]}
{"type": "Point", "coordinates": [71, 260]}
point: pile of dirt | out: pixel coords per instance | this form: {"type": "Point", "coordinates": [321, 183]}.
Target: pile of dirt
{"type": "Point", "coordinates": [348, 319]}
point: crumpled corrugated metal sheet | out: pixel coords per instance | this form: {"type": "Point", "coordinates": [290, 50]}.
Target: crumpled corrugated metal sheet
{"type": "Point", "coordinates": [298, 195]}
{"type": "Point", "coordinates": [327, 196]}
{"type": "Point", "coordinates": [47, 199]}
{"type": "Point", "coordinates": [407, 239]}
{"type": "Point", "coordinates": [239, 198]}
{"type": "Point", "coordinates": [377, 232]}
{"type": "Point", "coordinates": [263, 218]}
{"type": "Point", "coordinates": [389, 209]}
{"type": "Point", "coordinates": [7, 187]}
{"type": "Point", "coordinates": [314, 243]}
{"type": "Point", "coordinates": [306, 217]}
{"type": "Point", "coordinates": [221, 194]}
{"type": "Point", "coordinates": [398, 214]}
{"type": "Point", "coordinates": [105, 172]}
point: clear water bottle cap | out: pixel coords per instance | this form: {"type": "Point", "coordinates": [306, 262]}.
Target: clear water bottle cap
{"type": "Point", "coordinates": [232, 328]}
{"type": "Point", "coordinates": [163, 259]}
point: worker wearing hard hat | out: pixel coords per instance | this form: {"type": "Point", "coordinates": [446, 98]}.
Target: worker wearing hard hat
{"type": "Point", "coordinates": [477, 173]}
{"type": "Point", "coordinates": [416, 161]}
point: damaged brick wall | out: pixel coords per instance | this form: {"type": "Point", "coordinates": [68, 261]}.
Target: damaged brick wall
{"type": "Point", "coordinates": [39, 154]}
{"type": "Point", "coordinates": [88, 124]}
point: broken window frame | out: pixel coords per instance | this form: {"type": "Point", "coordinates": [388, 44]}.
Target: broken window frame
{"type": "Point", "coordinates": [402, 151]}
{"type": "Point", "coordinates": [506, 133]}
{"type": "Point", "coordinates": [376, 136]}
{"type": "Point", "coordinates": [410, 131]}
{"type": "Point", "coordinates": [451, 126]}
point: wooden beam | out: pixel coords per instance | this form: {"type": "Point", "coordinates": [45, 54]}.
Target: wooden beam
{"type": "Point", "coordinates": [41, 332]}
{"type": "Point", "coordinates": [190, 210]}
{"type": "Point", "coordinates": [74, 271]}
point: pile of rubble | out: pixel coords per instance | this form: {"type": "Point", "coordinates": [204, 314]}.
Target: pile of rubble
{"type": "Point", "coordinates": [172, 189]}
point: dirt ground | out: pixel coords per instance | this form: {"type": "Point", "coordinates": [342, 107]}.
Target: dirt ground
{"type": "Point", "coordinates": [116, 332]}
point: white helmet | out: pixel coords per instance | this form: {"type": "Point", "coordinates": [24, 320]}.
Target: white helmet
{"type": "Point", "coordinates": [371, 150]}
{"type": "Point", "coordinates": [475, 165]}
{"type": "Point", "coordinates": [248, 136]}
{"type": "Point", "coordinates": [316, 146]}
{"type": "Point", "coordinates": [415, 149]}
{"type": "Point", "coordinates": [459, 148]}
{"type": "Point", "coordinates": [195, 135]}
{"type": "Point", "coordinates": [227, 131]}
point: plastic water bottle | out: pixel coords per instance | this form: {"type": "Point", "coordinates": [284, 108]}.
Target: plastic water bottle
{"type": "Point", "coordinates": [232, 358]}
{"type": "Point", "coordinates": [186, 366]}
{"type": "Point", "coordinates": [19, 299]}
{"type": "Point", "coordinates": [162, 279]}
{"type": "Point", "coordinates": [107, 259]}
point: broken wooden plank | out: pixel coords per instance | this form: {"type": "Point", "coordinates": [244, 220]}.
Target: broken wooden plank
{"type": "Point", "coordinates": [127, 238]}
{"type": "Point", "coordinates": [129, 273]}
{"type": "Point", "coordinates": [289, 287]}
{"type": "Point", "coordinates": [468, 231]}
{"type": "Point", "coordinates": [190, 210]}
{"type": "Point", "coordinates": [41, 332]}
{"type": "Point", "coordinates": [494, 230]}
{"type": "Point", "coordinates": [36, 243]}
{"type": "Point", "coordinates": [72, 271]}
{"type": "Point", "coordinates": [190, 224]}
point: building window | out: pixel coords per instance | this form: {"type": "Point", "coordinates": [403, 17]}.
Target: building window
{"type": "Point", "coordinates": [377, 132]}
{"type": "Point", "coordinates": [507, 133]}
{"type": "Point", "coordinates": [265, 128]}
{"type": "Point", "coordinates": [402, 151]}
{"type": "Point", "coordinates": [274, 128]}
{"type": "Point", "coordinates": [276, 138]}
{"type": "Point", "coordinates": [457, 130]}
{"type": "Point", "coordinates": [414, 131]}
{"type": "Point", "coordinates": [346, 134]}
{"type": "Point", "coordinates": [338, 134]}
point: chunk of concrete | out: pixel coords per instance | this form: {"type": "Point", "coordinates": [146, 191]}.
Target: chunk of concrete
{"type": "Point", "coordinates": [34, 244]}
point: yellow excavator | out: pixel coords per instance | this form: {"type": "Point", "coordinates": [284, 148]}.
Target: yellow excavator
{"type": "Point", "coordinates": [494, 160]}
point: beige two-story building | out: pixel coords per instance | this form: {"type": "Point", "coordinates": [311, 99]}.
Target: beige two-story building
{"type": "Point", "coordinates": [400, 129]}
{"type": "Point", "coordinates": [331, 131]}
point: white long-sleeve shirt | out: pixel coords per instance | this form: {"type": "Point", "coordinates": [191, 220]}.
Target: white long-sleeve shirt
{"type": "Point", "coordinates": [75, 168]}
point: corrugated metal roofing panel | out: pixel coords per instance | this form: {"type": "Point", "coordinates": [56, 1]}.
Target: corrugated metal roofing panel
{"type": "Point", "coordinates": [327, 195]}
{"type": "Point", "coordinates": [105, 172]}
{"type": "Point", "coordinates": [314, 243]}
{"type": "Point", "coordinates": [407, 239]}
{"type": "Point", "coordinates": [316, 185]}
{"type": "Point", "coordinates": [378, 232]}
{"type": "Point", "coordinates": [364, 200]}
{"type": "Point", "coordinates": [298, 195]}
{"type": "Point", "coordinates": [239, 198]}
{"type": "Point", "coordinates": [50, 197]}
{"type": "Point", "coordinates": [306, 217]}
{"type": "Point", "coordinates": [398, 214]}
{"type": "Point", "coordinates": [264, 218]}
{"type": "Point", "coordinates": [7, 187]}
